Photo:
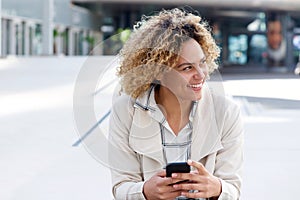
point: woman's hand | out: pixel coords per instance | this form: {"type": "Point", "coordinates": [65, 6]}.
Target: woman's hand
{"type": "Point", "coordinates": [161, 187]}
{"type": "Point", "coordinates": [202, 182]}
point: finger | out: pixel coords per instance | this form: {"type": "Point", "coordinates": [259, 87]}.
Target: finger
{"type": "Point", "coordinates": [195, 195]}
{"type": "Point", "coordinates": [191, 186]}
{"type": "Point", "coordinates": [194, 177]}
{"type": "Point", "coordinates": [184, 186]}
{"type": "Point", "coordinates": [161, 173]}
{"type": "Point", "coordinates": [178, 181]}
{"type": "Point", "coordinates": [201, 169]}
{"type": "Point", "coordinates": [163, 190]}
{"type": "Point", "coordinates": [167, 181]}
{"type": "Point", "coordinates": [171, 181]}
{"type": "Point", "coordinates": [172, 195]}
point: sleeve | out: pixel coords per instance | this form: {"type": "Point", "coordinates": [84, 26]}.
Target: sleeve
{"type": "Point", "coordinates": [229, 160]}
{"type": "Point", "coordinates": [127, 180]}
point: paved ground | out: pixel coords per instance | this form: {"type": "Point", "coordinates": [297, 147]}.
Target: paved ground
{"type": "Point", "coordinates": [271, 106]}
{"type": "Point", "coordinates": [40, 159]}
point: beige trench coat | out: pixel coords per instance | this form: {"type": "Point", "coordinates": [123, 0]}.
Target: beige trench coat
{"type": "Point", "coordinates": [135, 150]}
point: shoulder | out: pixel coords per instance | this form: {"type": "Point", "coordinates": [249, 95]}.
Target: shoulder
{"type": "Point", "coordinates": [122, 106]}
{"type": "Point", "coordinates": [228, 117]}
{"type": "Point", "coordinates": [225, 108]}
{"type": "Point", "coordinates": [216, 104]}
{"type": "Point", "coordinates": [225, 104]}
{"type": "Point", "coordinates": [216, 99]}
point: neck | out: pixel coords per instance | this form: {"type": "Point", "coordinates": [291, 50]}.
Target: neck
{"type": "Point", "coordinates": [175, 110]}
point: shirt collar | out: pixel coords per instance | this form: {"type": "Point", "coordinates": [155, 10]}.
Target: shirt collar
{"type": "Point", "coordinates": [147, 103]}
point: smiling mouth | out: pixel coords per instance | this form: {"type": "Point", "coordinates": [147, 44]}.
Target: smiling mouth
{"type": "Point", "coordinates": [199, 85]}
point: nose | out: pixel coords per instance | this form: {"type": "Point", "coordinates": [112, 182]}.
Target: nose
{"type": "Point", "coordinates": [200, 73]}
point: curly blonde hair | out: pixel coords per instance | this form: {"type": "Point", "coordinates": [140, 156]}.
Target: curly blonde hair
{"type": "Point", "coordinates": [154, 45]}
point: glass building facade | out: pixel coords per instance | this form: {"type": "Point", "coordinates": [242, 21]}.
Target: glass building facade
{"type": "Point", "coordinates": [240, 28]}
{"type": "Point", "coordinates": [28, 24]}
{"type": "Point", "coordinates": [74, 27]}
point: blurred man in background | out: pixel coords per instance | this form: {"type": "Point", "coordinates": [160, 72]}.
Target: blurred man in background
{"type": "Point", "coordinates": [276, 43]}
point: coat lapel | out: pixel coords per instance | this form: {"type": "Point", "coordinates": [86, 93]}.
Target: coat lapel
{"type": "Point", "coordinates": [145, 137]}
{"type": "Point", "coordinates": [206, 137]}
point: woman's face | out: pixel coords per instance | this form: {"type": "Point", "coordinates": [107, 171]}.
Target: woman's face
{"type": "Point", "coordinates": [186, 80]}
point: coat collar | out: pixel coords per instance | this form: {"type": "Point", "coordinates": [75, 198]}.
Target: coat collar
{"type": "Point", "coordinates": [145, 136]}
{"type": "Point", "coordinates": [206, 137]}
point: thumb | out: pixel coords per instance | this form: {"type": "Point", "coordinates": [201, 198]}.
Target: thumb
{"type": "Point", "coordinates": [161, 173]}
{"type": "Point", "coordinates": [197, 165]}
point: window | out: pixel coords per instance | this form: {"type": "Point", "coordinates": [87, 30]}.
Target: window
{"type": "Point", "coordinates": [238, 46]}
{"type": "Point", "coordinates": [257, 49]}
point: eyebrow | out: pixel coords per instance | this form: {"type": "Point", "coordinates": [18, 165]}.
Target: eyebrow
{"type": "Point", "coordinates": [187, 63]}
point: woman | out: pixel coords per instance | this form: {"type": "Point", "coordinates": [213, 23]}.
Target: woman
{"type": "Point", "coordinates": [168, 114]}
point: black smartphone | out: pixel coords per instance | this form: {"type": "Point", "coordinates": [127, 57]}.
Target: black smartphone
{"type": "Point", "coordinates": [177, 167]}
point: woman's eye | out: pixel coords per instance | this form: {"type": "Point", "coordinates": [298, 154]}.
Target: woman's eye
{"type": "Point", "coordinates": [203, 64]}
{"type": "Point", "coordinates": [187, 68]}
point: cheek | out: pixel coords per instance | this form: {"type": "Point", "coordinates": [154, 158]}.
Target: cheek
{"type": "Point", "coordinates": [174, 80]}
{"type": "Point", "coordinates": [206, 72]}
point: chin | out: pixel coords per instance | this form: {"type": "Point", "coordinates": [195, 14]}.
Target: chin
{"type": "Point", "coordinates": [197, 97]}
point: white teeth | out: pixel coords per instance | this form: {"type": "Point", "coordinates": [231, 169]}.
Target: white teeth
{"type": "Point", "coordinates": [196, 85]}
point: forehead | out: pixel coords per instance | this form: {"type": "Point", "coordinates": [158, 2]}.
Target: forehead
{"type": "Point", "coordinates": [191, 51]}
{"type": "Point", "coordinates": [272, 26]}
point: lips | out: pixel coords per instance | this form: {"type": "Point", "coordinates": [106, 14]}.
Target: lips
{"type": "Point", "coordinates": [196, 86]}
